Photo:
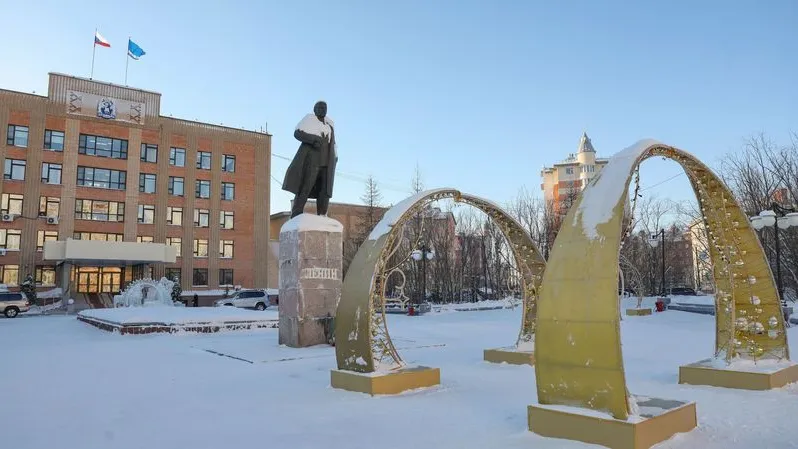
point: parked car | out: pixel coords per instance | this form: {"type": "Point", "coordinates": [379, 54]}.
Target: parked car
{"type": "Point", "coordinates": [11, 304]}
{"type": "Point", "coordinates": [683, 291]}
{"type": "Point", "coordinates": [246, 299]}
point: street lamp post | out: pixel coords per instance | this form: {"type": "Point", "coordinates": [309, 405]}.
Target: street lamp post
{"type": "Point", "coordinates": [423, 254]}
{"type": "Point", "coordinates": [778, 217]}
{"type": "Point", "coordinates": [653, 241]}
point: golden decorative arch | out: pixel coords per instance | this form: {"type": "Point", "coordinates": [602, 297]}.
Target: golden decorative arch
{"type": "Point", "coordinates": [362, 340]}
{"type": "Point", "coordinates": [578, 344]}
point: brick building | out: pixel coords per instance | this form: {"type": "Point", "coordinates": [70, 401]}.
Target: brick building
{"type": "Point", "coordinates": [563, 181]}
{"type": "Point", "coordinates": [96, 162]}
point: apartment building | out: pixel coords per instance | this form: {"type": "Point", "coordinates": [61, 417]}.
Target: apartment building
{"type": "Point", "coordinates": [564, 180]}
{"type": "Point", "coordinates": [99, 188]}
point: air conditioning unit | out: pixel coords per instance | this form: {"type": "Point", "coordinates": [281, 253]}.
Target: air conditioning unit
{"type": "Point", "coordinates": [52, 220]}
{"type": "Point", "coordinates": [9, 217]}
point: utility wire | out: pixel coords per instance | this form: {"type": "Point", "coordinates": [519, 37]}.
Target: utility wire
{"type": "Point", "coordinates": [351, 177]}
{"type": "Point", "coordinates": [663, 181]}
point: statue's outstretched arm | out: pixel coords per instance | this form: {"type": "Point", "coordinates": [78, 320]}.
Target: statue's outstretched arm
{"type": "Point", "coordinates": [309, 139]}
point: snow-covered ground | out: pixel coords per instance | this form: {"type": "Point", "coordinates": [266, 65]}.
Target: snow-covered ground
{"type": "Point", "coordinates": [70, 385]}
{"type": "Point", "coordinates": [179, 315]}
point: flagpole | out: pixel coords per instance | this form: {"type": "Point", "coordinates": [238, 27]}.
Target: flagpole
{"type": "Point", "coordinates": [93, 51]}
{"type": "Point", "coordinates": [127, 59]}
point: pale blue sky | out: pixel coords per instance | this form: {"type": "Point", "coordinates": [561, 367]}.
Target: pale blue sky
{"type": "Point", "coordinates": [480, 94]}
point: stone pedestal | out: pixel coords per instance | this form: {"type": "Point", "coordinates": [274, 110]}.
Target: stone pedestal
{"type": "Point", "coordinates": [310, 279]}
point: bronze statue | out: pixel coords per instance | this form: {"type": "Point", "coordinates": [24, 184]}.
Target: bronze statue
{"type": "Point", "coordinates": [312, 172]}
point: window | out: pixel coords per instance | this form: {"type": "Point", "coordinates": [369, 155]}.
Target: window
{"type": "Point", "coordinates": [177, 157]}
{"type": "Point", "coordinates": [176, 185]}
{"type": "Point", "coordinates": [226, 249]}
{"type": "Point", "coordinates": [10, 275]}
{"type": "Point", "coordinates": [102, 178]}
{"type": "Point", "coordinates": [200, 248]}
{"type": "Point", "coordinates": [569, 170]}
{"type": "Point", "coordinates": [173, 274]}
{"type": "Point", "coordinates": [200, 278]}
{"type": "Point", "coordinates": [45, 275]}
{"type": "Point", "coordinates": [146, 213]}
{"type": "Point", "coordinates": [97, 236]}
{"type": "Point", "coordinates": [144, 239]}
{"type": "Point", "coordinates": [102, 146]}
{"type": "Point", "coordinates": [202, 218]}
{"type": "Point", "coordinates": [149, 152]}
{"type": "Point", "coordinates": [53, 140]}
{"type": "Point", "coordinates": [99, 210]}
{"type": "Point", "coordinates": [49, 206]}
{"type": "Point", "coordinates": [147, 183]}
{"type": "Point", "coordinates": [228, 191]}
{"type": "Point", "coordinates": [226, 219]}
{"type": "Point", "coordinates": [14, 169]}
{"type": "Point", "coordinates": [9, 238]}
{"type": "Point", "coordinates": [51, 173]}
{"type": "Point", "coordinates": [228, 163]}
{"type": "Point", "coordinates": [225, 276]}
{"type": "Point", "coordinates": [174, 216]}
{"type": "Point", "coordinates": [203, 189]}
{"type": "Point", "coordinates": [177, 242]}
{"type": "Point", "coordinates": [203, 160]}
{"type": "Point", "coordinates": [11, 203]}
{"type": "Point", "coordinates": [17, 136]}
{"type": "Point", "coordinates": [45, 236]}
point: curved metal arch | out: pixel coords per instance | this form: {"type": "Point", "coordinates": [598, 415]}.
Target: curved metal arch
{"type": "Point", "coordinates": [363, 343]}
{"type": "Point", "coordinates": [578, 352]}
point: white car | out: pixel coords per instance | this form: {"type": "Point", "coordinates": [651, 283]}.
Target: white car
{"type": "Point", "coordinates": [247, 299]}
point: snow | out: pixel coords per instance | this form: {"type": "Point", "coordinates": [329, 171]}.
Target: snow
{"type": "Point", "coordinates": [760, 366]}
{"type": "Point", "coordinates": [393, 214]}
{"type": "Point", "coordinates": [108, 391]}
{"type": "Point", "coordinates": [48, 294]}
{"type": "Point", "coordinates": [599, 199]}
{"type": "Point", "coordinates": [312, 125]}
{"type": "Point", "coordinates": [312, 222]}
{"type": "Point", "coordinates": [589, 412]}
{"type": "Point", "coordinates": [178, 315]}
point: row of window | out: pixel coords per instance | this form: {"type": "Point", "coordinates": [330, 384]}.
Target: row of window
{"type": "Point", "coordinates": [105, 279]}
{"type": "Point", "coordinates": [100, 210]}
{"type": "Point", "coordinates": [45, 275]}
{"type": "Point", "coordinates": [114, 179]}
{"type": "Point", "coordinates": [115, 148]}
{"type": "Point", "coordinates": [10, 240]}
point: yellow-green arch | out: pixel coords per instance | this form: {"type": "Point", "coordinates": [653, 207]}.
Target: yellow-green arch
{"type": "Point", "coordinates": [362, 342]}
{"type": "Point", "coordinates": [578, 341]}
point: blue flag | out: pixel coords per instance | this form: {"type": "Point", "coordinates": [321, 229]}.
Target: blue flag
{"type": "Point", "coordinates": [133, 50]}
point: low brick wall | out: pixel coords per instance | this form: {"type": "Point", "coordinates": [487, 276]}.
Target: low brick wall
{"type": "Point", "coordinates": [155, 328]}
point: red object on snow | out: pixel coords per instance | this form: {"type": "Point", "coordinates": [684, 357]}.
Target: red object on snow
{"type": "Point", "coordinates": [411, 311]}
{"type": "Point", "coordinates": [660, 305]}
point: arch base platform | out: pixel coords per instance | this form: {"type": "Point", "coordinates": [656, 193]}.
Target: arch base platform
{"type": "Point", "coordinates": [393, 382]}
{"type": "Point", "coordinates": [638, 312]}
{"type": "Point", "coordinates": [511, 355]}
{"type": "Point", "coordinates": [763, 377]}
{"type": "Point", "coordinates": [660, 419]}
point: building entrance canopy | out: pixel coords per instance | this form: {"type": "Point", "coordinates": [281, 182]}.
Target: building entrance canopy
{"type": "Point", "coordinates": [102, 253]}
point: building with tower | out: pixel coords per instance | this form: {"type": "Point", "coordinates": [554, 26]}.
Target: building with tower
{"type": "Point", "coordinates": [563, 181]}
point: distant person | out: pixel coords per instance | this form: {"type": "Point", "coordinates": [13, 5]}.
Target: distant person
{"type": "Point", "coordinates": [196, 300]}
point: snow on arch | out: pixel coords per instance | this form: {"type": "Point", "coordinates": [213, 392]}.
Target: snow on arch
{"type": "Point", "coordinates": [608, 186]}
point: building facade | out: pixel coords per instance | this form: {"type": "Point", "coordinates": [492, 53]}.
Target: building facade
{"type": "Point", "coordinates": [564, 180]}
{"type": "Point", "coordinates": [96, 161]}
